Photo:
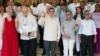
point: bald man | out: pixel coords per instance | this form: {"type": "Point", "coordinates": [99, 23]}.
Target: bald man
{"type": "Point", "coordinates": [27, 29]}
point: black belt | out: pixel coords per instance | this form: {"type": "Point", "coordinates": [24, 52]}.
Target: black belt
{"type": "Point", "coordinates": [87, 35]}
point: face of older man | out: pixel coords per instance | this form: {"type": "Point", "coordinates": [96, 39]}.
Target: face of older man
{"type": "Point", "coordinates": [87, 15]}
{"type": "Point", "coordinates": [25, 11]}
{"type": "Point", "coordinates": [68, 15]}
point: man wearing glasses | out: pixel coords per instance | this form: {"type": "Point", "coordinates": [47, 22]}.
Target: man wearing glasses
{"type": "Point", "coordinates": [68, 28]}
{"type": "Point", "coordinates": [87, 34]}
{"type": "Point", "coordinates": [51, 31]}
{"type": "Point", "coordinates": [27, 29]}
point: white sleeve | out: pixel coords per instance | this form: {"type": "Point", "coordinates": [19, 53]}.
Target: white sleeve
{"type": "Point", "coordinates": [94, 28]}
{"type": "Point", "coordinates": [41, 21]}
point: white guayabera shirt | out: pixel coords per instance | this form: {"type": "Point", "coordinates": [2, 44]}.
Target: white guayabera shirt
{"type": "Point", "coordinates": [51, 28]}
{"type": "Point", "coordinates": [27, 24]}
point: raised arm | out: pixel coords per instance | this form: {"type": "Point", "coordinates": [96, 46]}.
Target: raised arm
{"type": "Point", "coordinates": [41, 21]}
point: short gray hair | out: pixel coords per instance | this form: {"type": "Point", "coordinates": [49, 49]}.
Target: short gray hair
{"type": "Point", "coordinates": [69, 12]}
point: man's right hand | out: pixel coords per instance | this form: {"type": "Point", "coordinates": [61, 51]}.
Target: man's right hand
{"type": "Point", "coordinates": [25, 34]}
{"type": "Point", "coordinates": [67, 36]}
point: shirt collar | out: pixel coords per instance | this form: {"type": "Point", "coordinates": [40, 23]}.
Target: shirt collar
{"type": "Point", "coordinates": [87, 20]}
{"type": "Point", "coordinates": [27, 15]}
{"type": "Point", "coordinates": [51, 17]}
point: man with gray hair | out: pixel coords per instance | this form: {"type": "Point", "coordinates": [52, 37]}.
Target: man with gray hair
{"type": "Point", "coordinates": [27, 29]}
{"type": "Point", "coordinates": [87, 34]}
{"type": "Point", "coordinates": [68, 28]}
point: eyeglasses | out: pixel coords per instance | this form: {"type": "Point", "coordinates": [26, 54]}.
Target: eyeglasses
{"type": "Point", "coordinates": [87, 14]}
{"type": "Point", "coordinates": [68, 14]}
{"type": "Point", "coordinates": [52, 11]}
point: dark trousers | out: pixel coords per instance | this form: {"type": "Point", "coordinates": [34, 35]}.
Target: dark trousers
{"type": "Point", "coordinates": [87, 43]}
{"type": "Point", "coordinates": [41, 44]}
{"type": "Point", "coordinates": [29, 47]}
{"type": "Point", "coordinates": [60, 44]}
{"type": "Point", "coordinates": [19, 40]}
{"type": "Point", "coordinates": [44, 52]}
{"type": "Point", "coordinates": [41, 36]}
{"type": "Point", "coordinates": [50, 47]}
